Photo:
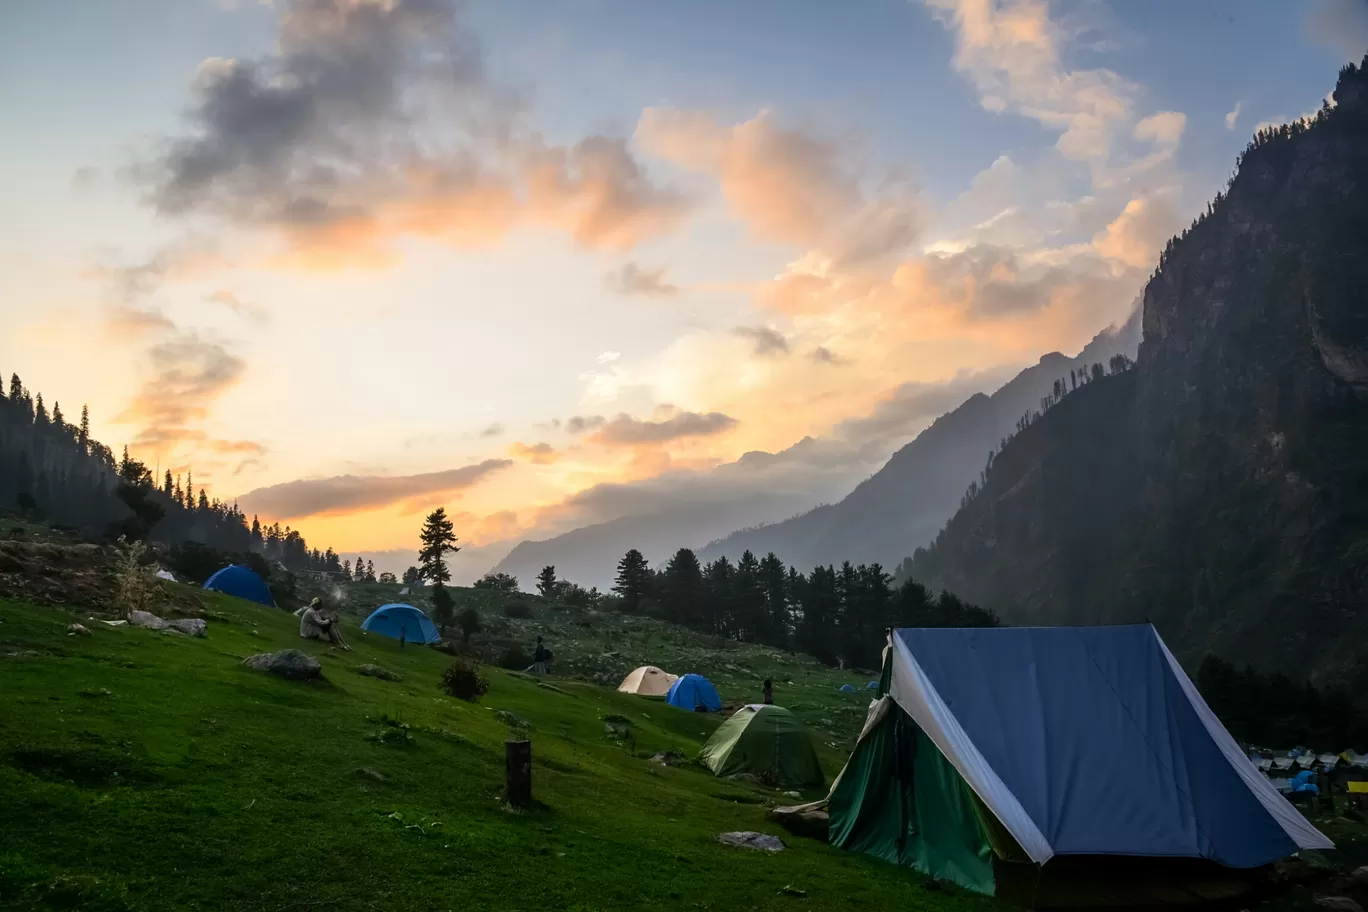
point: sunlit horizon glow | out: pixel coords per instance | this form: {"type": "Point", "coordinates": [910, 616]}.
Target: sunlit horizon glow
{"type": "Point", "coordinates": [552, 264]}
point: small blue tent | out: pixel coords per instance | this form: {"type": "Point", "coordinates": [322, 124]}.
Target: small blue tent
{"type": "Point", "coordinates": [872, 685]}
{"type": "Point", "coordinates": [847, 688]}
{"type": "Point", "coordinates": [693, 692]}
{"type": "Point", "coordinates": [241, 582]}
{"type": "Point", "coordinates": [395, 618]}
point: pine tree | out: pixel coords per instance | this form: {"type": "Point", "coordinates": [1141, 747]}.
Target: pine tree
{"type": "Point", "coordinates": [774, 584]}
{"type": "Point", "coordinates": [360, 570]}
{"type": "Point", "coordinates": [58, 421]}
{"type": "Point", "coordinates": [16, 388]}
{"type": "Point", "coordinates": [167, 487]}
{"type": "Point", "coordinates": [546, 582]}
{"type": "Point", "coordinates": [633, 580]}
{"type": "Point", "coordinates": [83, 433]}
{"type": "Point", "coordinates": [438, 539]}
{"type": "Point", "coordinates": [203, 500]}
{"type": "Point", "coordinates": [346, 568]}
{"type": "Point", "coordinates": [748, 619]}
{"type": "Point", "coordinates": [370, 571]}
{"type": "Point", "coordinates": [412, 576]}
{"type": "Point", "coordinates": [717, 596]}
{"type": "Point", "coordinates": [189, 490]}
{"type": "Point", "coordinates": [40, 415]}
{"type": "Point", "coordinates": [258, 542]}
{"type": "Point", "coordinates": [681, 589]}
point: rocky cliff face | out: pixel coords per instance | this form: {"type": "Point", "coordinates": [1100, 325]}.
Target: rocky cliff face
{"type": "Point", "coordinates": [1219, 489]}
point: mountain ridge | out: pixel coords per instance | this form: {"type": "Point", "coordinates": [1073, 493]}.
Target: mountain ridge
{"type": "Point", "coordinates": [1218, 489]}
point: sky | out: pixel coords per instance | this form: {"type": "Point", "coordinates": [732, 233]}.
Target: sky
{"type": "Point", "coordinates": [553, 263]}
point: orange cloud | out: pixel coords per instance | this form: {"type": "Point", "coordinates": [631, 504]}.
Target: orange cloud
{"type": "Point", "coordinates": [787, 185]}
{"type": "Point", "coordinates": [1135, 237]}
{"type": "Point", "coordinates": [537, 453]}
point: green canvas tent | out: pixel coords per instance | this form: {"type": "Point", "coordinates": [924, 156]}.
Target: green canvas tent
{"type": "Point", "coordinates": [1058, 767]}
{"type": "Point", "coordinates": [766, 741]}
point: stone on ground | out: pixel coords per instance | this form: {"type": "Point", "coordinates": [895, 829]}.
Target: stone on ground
{"type": "Point", "coordinates": [189, 626]}
{"type": "Point", "coordinates": [145, 619]}
{"type": "Point", "coordinates": [77, 630]}
{"type": "Point", "coordinates": [802, 821]}
{"type": "Point", "coordinates": [748, 839]}
{"type": "Point", "coordinates": [375, 671]}
{"type": "Point", "coordinates": [287, 663]}
{"type": "Point", "coordinates": [1338, 904]}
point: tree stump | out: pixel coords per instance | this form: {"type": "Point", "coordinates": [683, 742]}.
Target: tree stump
{"type": "Point", "coordinates": [518, 772]}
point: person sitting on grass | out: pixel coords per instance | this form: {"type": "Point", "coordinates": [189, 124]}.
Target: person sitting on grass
{"type": "Point", "coordinates": [314, 624]}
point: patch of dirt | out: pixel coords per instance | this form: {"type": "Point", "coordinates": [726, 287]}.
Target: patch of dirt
{"type": "Point", "coordinates": [57, 574]}
{"type": "Point", "coordinates": [80, 575]}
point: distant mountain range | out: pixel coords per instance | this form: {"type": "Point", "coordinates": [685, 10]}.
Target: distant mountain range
{"type": "Point", "coordinates": [887, 516]}
{"type": "Point", "coordinates": [905, 503]}
{"type": "Point", "coordinates": [1220, 488]}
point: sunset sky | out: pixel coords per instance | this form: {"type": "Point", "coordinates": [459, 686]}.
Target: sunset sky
{"type": "Point", "coordinates": [551, 263]}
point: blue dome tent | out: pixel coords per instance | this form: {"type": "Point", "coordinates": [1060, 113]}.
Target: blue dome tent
{"type": "Point", "coordinates": [395, 618]}
{"type": "Point", "coordinates": [692, 692]}
{"type": "Point", "coordinates": [872, 685]}
{"type": "Point", "coordinates": [847, 688]}
{"type": "Point", "coordinates": [241, 582]}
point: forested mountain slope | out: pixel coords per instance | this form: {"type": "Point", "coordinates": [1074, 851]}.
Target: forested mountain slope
{"type": "Point", "coordinates": [1220, 488]}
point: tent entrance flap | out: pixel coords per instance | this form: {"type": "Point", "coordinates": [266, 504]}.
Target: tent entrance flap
{"type": "Point", "coordinates": [900, 800]}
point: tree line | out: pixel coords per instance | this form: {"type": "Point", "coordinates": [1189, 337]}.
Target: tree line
{"type": "Point", "coordinates": [54, 469]}
{"type": "Point", "coordinates": [837, 614]}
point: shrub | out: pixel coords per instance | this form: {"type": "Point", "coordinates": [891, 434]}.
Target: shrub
{"type": "Point", "coordinates": [499, 582]}
{"type": "Point", "coordinates": [520, 610]}
{"type": "Point", "coordinates": [136, 584]}
{"type": "Point", "coordinates": [462, 680]}
{"type": "Point", "coordinates": [515, 658]}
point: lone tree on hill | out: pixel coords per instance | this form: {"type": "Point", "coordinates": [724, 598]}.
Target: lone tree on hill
{"type": "Point", "coordinates": [633, 580]}
{"type": "Point", "coordinates": [546, 582]}
{"type": "Point", "coordinates": [438, 538]}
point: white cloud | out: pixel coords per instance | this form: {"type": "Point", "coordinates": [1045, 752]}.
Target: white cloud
{"type": "Point", "coordinates": [1233, 116]}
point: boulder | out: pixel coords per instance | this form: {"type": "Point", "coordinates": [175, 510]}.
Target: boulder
{"type": "Point", "coordinates": [1338, 904]}
{"type": "Point", "coordinates": [77, 630]}
{"type": "Point", "coordinates": [802, 821]}
{"type": "Point", "coordinates": [288, 663]}
{"type": "Point", "coordinates": [748, 839]}
{"type": "Point", "coordinates": [145, 619]}
{"type": "Point", "coordinates": [668, 758]}
{"type": "Point", "coordinates": [375, 671]}
{"type": "Point", "coordinates": [194, 627]}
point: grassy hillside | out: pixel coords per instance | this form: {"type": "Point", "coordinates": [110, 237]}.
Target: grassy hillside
{"type": "Point", "coordinates": [144, 770]}
{"type": "Point", "coordinates": [602, 646]}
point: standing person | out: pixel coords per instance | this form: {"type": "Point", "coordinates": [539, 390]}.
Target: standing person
{"type": "Point", "coordinates": [768, 691]}
{"type": "Point", "coordinates": [541, 658]}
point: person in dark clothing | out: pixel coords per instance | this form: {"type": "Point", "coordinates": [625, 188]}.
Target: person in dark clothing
{"type": "Point", "coordinates": [768, 691]}
{"type": "Point", "coordinates": [541, 658]}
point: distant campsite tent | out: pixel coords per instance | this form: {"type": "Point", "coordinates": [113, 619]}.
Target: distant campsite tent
{"type": "Point", "coordinates": [1057, 766]}
{"type": "Point", "coordinates": [847, 688]}
{"type": "Point", "coordinates": [647, 681]}
{"type": "Point", "coordinates": [872, 685]}
{"type": "Point", "coordinates": [694, 692]}
{"type": "Point", "coordinates": [395, 618]}
{"type": "Point", "coordinates": [766, 741]}
{"type": "Point", "coordinates": [241, 582]}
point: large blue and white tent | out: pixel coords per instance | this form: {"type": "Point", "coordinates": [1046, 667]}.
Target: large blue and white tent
{"type": "Point", "coordinates": [991, 746]}
{"type": "Point", "coordinates": [397, 620]}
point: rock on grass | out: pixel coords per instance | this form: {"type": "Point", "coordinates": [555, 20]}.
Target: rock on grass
{"type": "Point", "coordinates": [287, 663]}
{"type": "Point", "coordinates": [748, 839]}
{"type": "Point", "coordinates": [375, 671]}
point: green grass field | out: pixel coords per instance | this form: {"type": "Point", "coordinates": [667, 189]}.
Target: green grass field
{"type": "Point", "coordinates": [145, 770]}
